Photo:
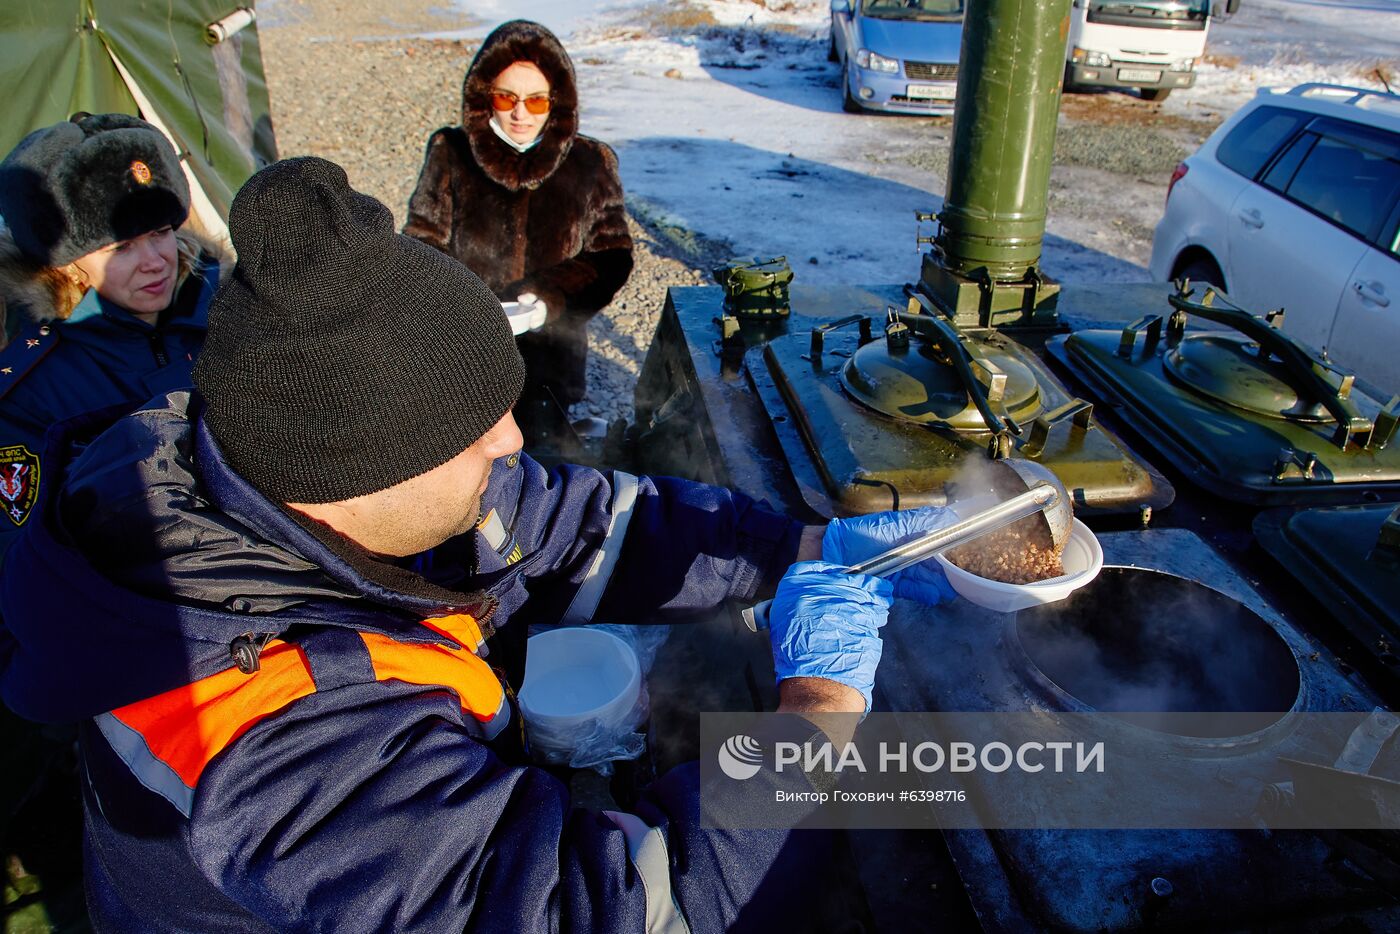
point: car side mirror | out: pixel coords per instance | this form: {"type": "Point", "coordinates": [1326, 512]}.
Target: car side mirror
{"type": "Point", "coordinates": [844, 6]}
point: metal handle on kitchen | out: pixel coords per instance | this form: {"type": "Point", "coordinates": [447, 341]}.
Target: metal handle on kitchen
{"type": "Point", "coordinates": [1303, 368]}
{"type": "Point", "coordinates": [1039, 497]}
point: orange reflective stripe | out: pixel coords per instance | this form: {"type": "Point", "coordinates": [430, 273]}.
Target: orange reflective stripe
{"type": "Point", "coordinates": [460, 628]}
{"type": "Point", "coordinates": [187, 727]}
{"type": "Point", "coordinates": [471, 679]}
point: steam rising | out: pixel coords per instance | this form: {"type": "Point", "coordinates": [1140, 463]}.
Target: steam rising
{"type": "Point", "coordinates": [1142, 641]}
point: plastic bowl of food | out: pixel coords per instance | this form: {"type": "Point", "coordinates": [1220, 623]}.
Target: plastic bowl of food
{"type": "Point", "coordinates": [1082, 560]}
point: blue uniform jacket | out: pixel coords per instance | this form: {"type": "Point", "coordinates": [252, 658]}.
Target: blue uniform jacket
{"type": "Point", "coordinates": [367, 805]}
{"type": "Point", "coordinates": [100, 356]}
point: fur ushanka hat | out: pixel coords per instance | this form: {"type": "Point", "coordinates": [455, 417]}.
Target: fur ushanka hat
{"type": "Point", "coordinates": [75, 187]}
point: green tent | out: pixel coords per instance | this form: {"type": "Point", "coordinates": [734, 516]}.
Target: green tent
{"type": "Point", "coordinates": [191, 67]}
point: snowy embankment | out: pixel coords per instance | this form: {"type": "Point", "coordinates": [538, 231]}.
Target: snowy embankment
{"type": "Point", "coordinates": [727, 117]}
{"type": "Point", "coordinates": [727, 120]}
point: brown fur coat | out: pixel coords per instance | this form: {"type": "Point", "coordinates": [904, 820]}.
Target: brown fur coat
{"type": "Point", "coordinates": [549, 220]}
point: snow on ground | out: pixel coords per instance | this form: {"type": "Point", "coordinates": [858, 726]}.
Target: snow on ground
{"type": "Point", "coordinates": [726, 117]}
{"type": "Point", "coordinates": [746, 143]}
{"type": "Point", "coordinates": [1283, 43]}
{"type": "Point", "coordinates": [727, 120]}
{"type": "Point", "coordinates": [1327, 32]}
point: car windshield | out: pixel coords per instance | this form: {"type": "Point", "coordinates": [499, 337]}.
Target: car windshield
{"type": "Point", "coordinates": [913, 9]}
{"type": "Point", "coordinates": [1150, 12]}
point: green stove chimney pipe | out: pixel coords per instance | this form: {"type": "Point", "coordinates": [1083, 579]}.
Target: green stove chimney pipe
{"type": "Point", "coordinates": [1008, 97]}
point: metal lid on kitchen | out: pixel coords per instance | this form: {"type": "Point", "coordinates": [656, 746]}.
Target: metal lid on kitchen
{"type": "Point", "coordinates": [872, 421]}
{"type": "Point", "coordinates": [1244, 410]}
{"type": "Point", "coordinates": [1348, 558]}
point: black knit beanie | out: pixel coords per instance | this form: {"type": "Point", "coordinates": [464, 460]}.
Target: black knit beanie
{"type": "Point", "coordinates": [75, 187]}
{"type": "Point", "coordinates": [344, 358]}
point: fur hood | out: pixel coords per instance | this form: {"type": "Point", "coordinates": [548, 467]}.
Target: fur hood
{"type": "Point", "coordinates": [26, 293]}
{"type": "Point", "coordinates": [520, 41]}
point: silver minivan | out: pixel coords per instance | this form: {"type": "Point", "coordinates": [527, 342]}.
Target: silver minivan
{"type": "Point", "coordinates": [899, 56]}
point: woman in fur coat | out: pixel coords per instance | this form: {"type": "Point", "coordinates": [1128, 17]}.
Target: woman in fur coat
{"type": "Point", "coordinates": [103, 293]}
{"type": "Point", "coordinates": [528, 204]}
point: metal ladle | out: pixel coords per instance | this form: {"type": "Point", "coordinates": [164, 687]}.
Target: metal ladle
{"type": "Point", "coordinates": [1043, 494]}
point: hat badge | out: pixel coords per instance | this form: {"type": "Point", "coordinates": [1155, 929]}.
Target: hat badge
{"type": "Point", "coordinates": [141, 172]}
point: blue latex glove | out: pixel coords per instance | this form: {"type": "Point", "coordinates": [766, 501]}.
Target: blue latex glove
{"type": "Point", "coordinates": [851, 541]}
{"type": "Point", "coordinates": [825, 623]}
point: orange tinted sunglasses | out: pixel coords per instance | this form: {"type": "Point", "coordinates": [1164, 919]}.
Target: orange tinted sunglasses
{"type": "Point", "coordinates": [536, 103]}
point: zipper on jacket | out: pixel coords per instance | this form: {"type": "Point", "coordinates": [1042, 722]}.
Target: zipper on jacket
{"type": "Point", "coordinates": [158, 348]}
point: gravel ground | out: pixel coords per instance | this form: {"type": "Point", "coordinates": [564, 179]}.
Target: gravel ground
{"type": "Point", "coordinates": [349, 81]}
{"type": "Point", "coordinates": [1113, 156]}
{"type": "Point", "coordinates": [353, 86]}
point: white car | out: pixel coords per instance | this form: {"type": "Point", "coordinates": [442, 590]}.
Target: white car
{"type": "Point", "coordinates": [1294, 203]}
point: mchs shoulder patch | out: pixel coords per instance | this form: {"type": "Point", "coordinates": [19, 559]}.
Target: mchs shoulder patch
{"type": "Point", "coordinates": [19, 481]}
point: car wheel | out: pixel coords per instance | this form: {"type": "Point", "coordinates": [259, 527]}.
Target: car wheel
{"type": "Point", "coordinates": [1201, 269]}
{"type": "Point", "coordinates": [848, 103]}
{"type": "Point", "coordinates": [1156, 95]}
{"type": "Point", "coordinates": [831, 55]}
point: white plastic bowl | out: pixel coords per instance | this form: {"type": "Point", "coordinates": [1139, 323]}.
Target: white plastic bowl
{"type": "Point", "coordinates": [523, 317]}
{"type": "Point", "coordinates": [1083, 559]}
{"type": "Point", "coordinates": [578, 682]}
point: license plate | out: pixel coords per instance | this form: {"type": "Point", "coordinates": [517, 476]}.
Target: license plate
{"type": "Point", "coordinates": [1139, 74]}
{"type": "Point", "coordinates": [933, 92]}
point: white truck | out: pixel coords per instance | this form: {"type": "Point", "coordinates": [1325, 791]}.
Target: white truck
{"type": "Point", "coordinates": [1152, 45]}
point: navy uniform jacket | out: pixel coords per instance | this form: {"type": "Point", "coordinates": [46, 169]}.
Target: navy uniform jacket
{"type": "Point", "coordinates": [100, 356]}
{"type": "Point", "coordinates": [341, 786]}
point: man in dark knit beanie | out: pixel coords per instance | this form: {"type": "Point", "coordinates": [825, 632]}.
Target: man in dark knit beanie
{"type": "Point", "coordinates": [344, 359]}
{"type": "Point", "coordinates": [274, 596]}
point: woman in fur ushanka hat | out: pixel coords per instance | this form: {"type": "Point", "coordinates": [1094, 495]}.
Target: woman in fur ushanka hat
{"type": "Point", "coordinates": [103, 294]}
{"type": "Point", "coordinates": [103, 297]}
{"type": "Point", "coordinates": [533, 208]}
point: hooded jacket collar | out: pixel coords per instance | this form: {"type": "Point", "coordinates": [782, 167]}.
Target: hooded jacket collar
{"type": "Point", "coordinates": [140, 570]}
{"type": "Point", "coordinates": [520, 41]}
